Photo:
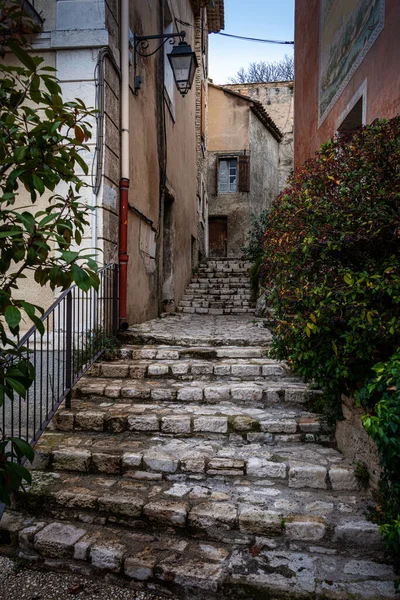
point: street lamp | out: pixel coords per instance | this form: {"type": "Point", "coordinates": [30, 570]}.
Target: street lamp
{"type": "Point", "coordinates": [182, 59]}
{"type": "Point", "coordinates": [183, 63]}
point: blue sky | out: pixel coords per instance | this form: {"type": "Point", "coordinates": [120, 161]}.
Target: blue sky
{"type": "Point", "coordinates": [271, 19]}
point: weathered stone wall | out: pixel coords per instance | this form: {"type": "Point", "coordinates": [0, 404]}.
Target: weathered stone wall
{"type": "Point", "coordinates": [264, 161]}
{"type": "Point", "coordinates": [234, 130]}
{"type": "Point", "coordinates": [354, 442]}
{"type": "Point", "coordinates": [278, 100]}
{"type": "Point", "coordinates": [201, 46]}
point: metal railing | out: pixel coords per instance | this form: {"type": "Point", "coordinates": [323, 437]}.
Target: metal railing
{"type": "Point", "coordinates": [76, 329]}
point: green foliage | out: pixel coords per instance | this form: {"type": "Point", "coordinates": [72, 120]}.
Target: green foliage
{"type": "Point", "coordinates": [331, 260]}
{"type": "Point", "coordinates": [332, 266]}
{"type": "Point", "coordinates": [382, 396]}
{"type": "Point", "coordinates": [41, 140]}
{"type": "Point", "coordinates": [253, 249]}
{"type": "Point", "coordinates": [362, 474]}
{"type": "Point", "coordinates": [95, 340]}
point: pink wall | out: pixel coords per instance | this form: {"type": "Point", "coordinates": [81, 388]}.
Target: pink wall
{"type": "Point", "coordinates": [380, 68]}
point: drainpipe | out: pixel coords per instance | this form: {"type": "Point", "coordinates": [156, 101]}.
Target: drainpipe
{"type": "Point", "coordinates": [124, 181]}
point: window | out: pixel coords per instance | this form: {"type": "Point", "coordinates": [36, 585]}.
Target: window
{"type": "Point", "coordinates": [227, 175]}
{"type": "Point", "coordinates": [233, 174]}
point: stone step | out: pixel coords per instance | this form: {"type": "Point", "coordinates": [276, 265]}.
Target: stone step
{"type": "Point", "coordinates": [216, 311]}
{"type": "Point", "coordinates": [217, 509]}
{"type": "Point", "coordinates": [217, 301]}
{"type": "Point", "coordinates": [223, 421]}
{"type": "Point", "coordinates": [195, 568]}
{"type": "Point", "coordinates": [165, 352]}
{"type": "Point", "coordinates": [218, 266]}
{"type": "Point", "coordinates": [233, 291]}
{"type": "Point", "coordinates": [139, 455]}
{"type": "Point", "coordinates": [256, 394]}
{"type": "Point", "coordinates": [207, 279]}
{"type": "Point", "coordinates": [189, 370]}
{"type": "Point", "coordinates": [201, 303]}
{"type": "Point", "coordinates": [217, 295]}
{"type": "Point", "coordinates": [175, 330]}
{"type": "Point", "coordinates": [215, 287]}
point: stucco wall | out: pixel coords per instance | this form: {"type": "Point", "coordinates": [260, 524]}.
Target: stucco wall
{"type": "Point", "coordinates": [277, 99]}
{"type": "Point", "coordinates": [228, 118]}
{"type": "Point", "coordinates": [264, 172]}
{"type": "Point", "coordinates": [235, 130]}
{"type": "Point", "coordinates": [379, 71]}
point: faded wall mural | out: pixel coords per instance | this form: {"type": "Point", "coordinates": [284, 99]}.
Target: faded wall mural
{"type": "Point", "coordinates": [348, 29]}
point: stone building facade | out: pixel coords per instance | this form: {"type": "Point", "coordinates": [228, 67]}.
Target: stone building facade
{"type": "Point", "coordinates": [277, 99]}
{"type": "Point", "coordinates": [346, 69]}
{"type": "Point", "coordinates": [165, 223]}
{"type": "Point", "coordinates": [243, 167]}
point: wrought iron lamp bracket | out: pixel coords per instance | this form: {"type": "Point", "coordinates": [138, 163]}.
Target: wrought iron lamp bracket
{"type": "Point", "coordinates": [142, 42]}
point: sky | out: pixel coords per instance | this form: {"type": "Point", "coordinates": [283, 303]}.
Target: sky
{"type": "Point", "coordinates": [270, 19]}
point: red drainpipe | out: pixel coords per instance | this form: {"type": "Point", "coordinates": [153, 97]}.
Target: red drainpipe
{"type": "Point", "coordinates": [123, 250]}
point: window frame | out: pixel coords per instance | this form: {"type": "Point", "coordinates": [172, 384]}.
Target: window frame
{"type": "Point", "coordinates": [228, 183]}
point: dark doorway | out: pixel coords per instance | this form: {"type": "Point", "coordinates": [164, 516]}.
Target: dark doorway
{"type": "Point", "coordinates": [218, 232]}
{"type": "Point", "coordinates": [353, 119]}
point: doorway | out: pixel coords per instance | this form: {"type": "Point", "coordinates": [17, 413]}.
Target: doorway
{"type": "Point", "coordinates": [218, 232]}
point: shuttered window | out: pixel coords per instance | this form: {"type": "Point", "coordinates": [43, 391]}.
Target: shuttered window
{"type": "Point", "coordinates": [244, 173]}
{"type": "Point", "coordinates": [233, 174]}
{"type": "Point", "coordinates": [227, 177]}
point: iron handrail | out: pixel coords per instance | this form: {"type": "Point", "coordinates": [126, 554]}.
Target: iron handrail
{"type": "Point", "coordinates": [76, 328]}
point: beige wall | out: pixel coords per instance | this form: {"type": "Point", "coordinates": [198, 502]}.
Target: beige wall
{"type": "Point", "coordinates": [177, 206]}
{"type": "Point", "coordinates": [228, 118]}
{"type": "Point", "coordinates": [234, 129]}
{"type": "Point", "coordinates": [278, 100]}
{"type": "Point", "coordinates": [73, 49]}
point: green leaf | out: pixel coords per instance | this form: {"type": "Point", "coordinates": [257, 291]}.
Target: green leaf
{"type": "Point", "coordinates": [22, 55]}
{"type": "Point", "coordinates": [38, 183]}
{"type": "Point", "coordinates": [24, 448]}
{"type": "Point", "coordinates": [17, 386]}
{"type": "Point", "coordinates": [81, 278]}
{"type": "Point", "coordinates": [13, 316]}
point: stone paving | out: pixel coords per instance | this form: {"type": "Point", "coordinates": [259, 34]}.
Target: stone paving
{"type": "Point", "coordinates": [193, 465]}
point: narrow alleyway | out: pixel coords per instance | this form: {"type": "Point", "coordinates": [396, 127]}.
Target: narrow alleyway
{"type": "Point", "coordinates": [193, 463]}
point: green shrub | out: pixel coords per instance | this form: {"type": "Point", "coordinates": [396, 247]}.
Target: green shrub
{"type": "Point", "coordinates": [383, 424]}
{"type": "Point", "coordinates": [332, 266]}
{"type": "Point", "coordinates": [331, 260]}
{"type": "Point", "coordinates": [253, 249]}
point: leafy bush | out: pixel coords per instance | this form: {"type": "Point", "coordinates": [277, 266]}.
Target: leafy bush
{"type": "Point", "coordinates": [253, 249]}
{"type": "Point", "coordinates": [383, 424]}
{"type": "Point", "coordinates": [331, 260]}
{"type": "Point", "coordinates": [332, 265]}
{"type": "Point", "coordinates": [41, 140]}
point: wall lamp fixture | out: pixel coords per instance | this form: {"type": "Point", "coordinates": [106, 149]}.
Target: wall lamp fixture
{"type": "Point", "coordinates": [182, 59]}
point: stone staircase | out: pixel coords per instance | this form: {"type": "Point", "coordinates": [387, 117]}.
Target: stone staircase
{"type": "Point", "coordinates": [193, 464]}
{"type": "Point", "coordinates": [220, 287]}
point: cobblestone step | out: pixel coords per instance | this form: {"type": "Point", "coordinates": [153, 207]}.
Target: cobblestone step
{"type": "Point", "coordinates": [189, 370]}
{"type": "Point", "coordinates": [227, 330]}
{"type": "Point", "coordinates": [141, 455]}
{"type": "Point", "coordinates": [216, 311]}
{"type": "Point", "coordinates": [218, 510]}
{"type": "Point", "coordinates": [257, 394]}
{"type": "Point", "coordinates": [164, 352]}
{"type": "Point", "coordinates": [224, 421]}
{"type": "Point", "coordinates": [221, 278]}
{"type": "Point", "coordinates": [196, 568]}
